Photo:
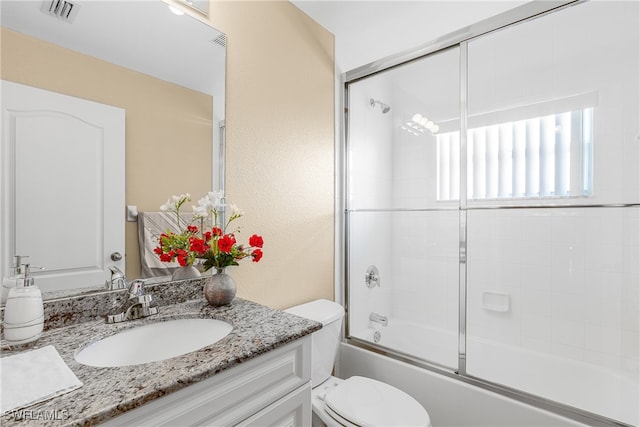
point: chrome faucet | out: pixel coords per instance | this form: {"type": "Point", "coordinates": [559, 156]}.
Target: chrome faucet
{"type": "Point", "coordinates": [117, 280]}
{"type": "Point", "coordinates": [378, 318]}
{"type": "Point", "coordinates": [138, 305]}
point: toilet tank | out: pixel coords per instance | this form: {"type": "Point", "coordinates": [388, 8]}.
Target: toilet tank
{"type": "Point", "coordinates": [324, 343]}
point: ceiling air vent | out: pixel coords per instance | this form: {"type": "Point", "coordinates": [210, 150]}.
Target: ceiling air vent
{"type": "Point", "coordinates": [220, 40]}
{"type": "Point", "coordinates": [61, 9]}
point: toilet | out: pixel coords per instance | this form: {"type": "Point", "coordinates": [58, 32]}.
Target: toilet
{"type": "Point", "coordinates": [355, 401]}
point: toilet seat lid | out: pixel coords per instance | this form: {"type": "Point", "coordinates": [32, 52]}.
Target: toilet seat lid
{"type": "Point", "coordinates": [367, 402]}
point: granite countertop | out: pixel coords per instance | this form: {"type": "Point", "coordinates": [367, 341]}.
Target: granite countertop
{"type": "Point", "coordinates": [108, 392]}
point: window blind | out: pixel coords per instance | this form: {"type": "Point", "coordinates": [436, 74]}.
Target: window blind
{"type": "Point", "coordinates": [539, 157]}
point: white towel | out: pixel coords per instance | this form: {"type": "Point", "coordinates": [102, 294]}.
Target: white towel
{"type": "Point", "coordinates": [34, 376]}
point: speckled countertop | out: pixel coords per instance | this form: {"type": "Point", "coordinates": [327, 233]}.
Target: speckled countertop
{"type": "Point", "coordinates": [108, 392]}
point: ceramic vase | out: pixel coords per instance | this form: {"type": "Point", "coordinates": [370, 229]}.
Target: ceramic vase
{"type": "Point", "coordinates": [219, 289]}
{"type": "Point", "coordinates": [184, 273]}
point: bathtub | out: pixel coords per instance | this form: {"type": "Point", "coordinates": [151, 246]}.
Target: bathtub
{"type": "Point", "coordinates": [573, 383]}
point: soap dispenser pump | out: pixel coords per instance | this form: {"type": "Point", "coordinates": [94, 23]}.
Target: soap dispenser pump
{"type": "Point", "coordinates": [24, 310]}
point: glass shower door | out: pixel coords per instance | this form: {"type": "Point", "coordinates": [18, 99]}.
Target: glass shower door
{"type": "Point", "coordinates": [403, 233]}
{"type": "Point", "coordinates": [554, 208]}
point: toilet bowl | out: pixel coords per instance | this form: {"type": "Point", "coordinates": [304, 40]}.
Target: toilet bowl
{"type": "Point", "coordinates": [355, 401]}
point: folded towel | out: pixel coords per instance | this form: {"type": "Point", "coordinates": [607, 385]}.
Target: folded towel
{"type": "Point", "coordinates": [34, 376]}
{"type": "Point", "coordinates": [150, 226]}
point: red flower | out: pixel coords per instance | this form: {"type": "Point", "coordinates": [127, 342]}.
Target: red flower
{"type": "Point", "coordinates": [256, 241]}
{"type": "Point", "coordinates": [192, 229]}
{"type": "Point", "coordinates": [207, 236]}
{"type": "Point", "coordinates": [256, 255]}
{"type": "Point", "coordinates": [166, 257]}
{"type": "Point", "coordinates": [158, 250]}
{"type": "Point", "coordinates": [226, 242]}
{"type": "Point", "coordinates": [217, 231]}
{"type": "Point", "coordinates": [197, 245]}
{"type": "Point", "coordinates": [181, 255]}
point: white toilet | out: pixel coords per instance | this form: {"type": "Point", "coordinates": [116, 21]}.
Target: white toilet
{"type": "Point", "coordinates": [356, 401]}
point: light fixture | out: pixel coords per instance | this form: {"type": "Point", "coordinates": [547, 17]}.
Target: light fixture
{"type": "Point", "coordinates": [419, 124]}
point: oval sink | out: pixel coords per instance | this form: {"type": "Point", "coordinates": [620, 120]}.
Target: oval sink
{"type": "Point", "coordinates": [153, 342]}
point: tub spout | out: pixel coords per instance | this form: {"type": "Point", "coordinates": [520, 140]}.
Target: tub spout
{"type": "Point", "coordinates": [378, 318]}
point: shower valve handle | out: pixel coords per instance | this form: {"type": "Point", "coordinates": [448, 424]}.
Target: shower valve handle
{"type": "Point", "coordinates": [372, 277]}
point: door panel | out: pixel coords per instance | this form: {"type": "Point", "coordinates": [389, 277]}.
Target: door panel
{"type": "Point", "coordinates": [63, 186]}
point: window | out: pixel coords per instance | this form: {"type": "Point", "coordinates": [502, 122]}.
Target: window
{"type": "Point", "coordinates": [533, 158]}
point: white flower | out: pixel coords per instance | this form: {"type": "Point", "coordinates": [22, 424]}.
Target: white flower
{"type": "Point", "coordinates": [174, 203]}
{"type": "Point", "coordinates": [236, 212]}
{"type": "Point", "coordinates": [200, 211]}
{"type": "Point", "coordinates": [216, 200]}
{"type": "Point", "coordinates": [166, 206]}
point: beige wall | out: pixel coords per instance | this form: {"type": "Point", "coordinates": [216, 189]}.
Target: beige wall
{"type": "Point", "coordinates": [168, 127]}
{"type": "Point", "coordinates": [280, 139]}
{"type": "Point", "coordinates": [280, 147]}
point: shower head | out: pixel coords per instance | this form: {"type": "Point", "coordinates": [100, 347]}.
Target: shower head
{"type": "Point", "coordinates": [384, 107]}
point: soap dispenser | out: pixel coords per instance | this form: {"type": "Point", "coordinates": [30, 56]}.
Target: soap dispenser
{"type": "Point", "coordinates": [7, 285]}
{"type": "Point", "coordinates": [24, 311]}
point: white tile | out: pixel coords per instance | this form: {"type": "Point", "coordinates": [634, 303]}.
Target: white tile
{"type": "Point", "coordinates": [508, 277]}
{"type": "Point", "coordinates": [603, 339]}
{"type": "Point", "coordinates": [630, 344]}
{"type": "Point", "coordinates": [567, 351]}
{"type": "Point", "coordinates": [508, 226]}
{"type": "Point", "coordinates": [567, 332]}
{"type": "Point", "coordinates": [567, 257]}
{"type": "Point", "coordinates": [536, 226]}
{"type": "Point", "coordinates": [568, 306]}
{"type": "Point", "coordinates": [611, 313]}
{"type": "Point", "coordinates": [508, 251]}
{"type": "Point", "coordinates": [536, 252]}
{"type": "Point", "coordinates": [569, 281]}
{"type": "Point", "coordinates": [536, 278]}
{"type": "Point", "coordinates": [534, 302]}
{"type": "Point", "coordinates": [541, 346]}
{"type": "Point", "coordinates": [611, 227]}
{"type": "Point", "coordinates": [603, 284]}
{"type": "Point", "coordinates": [603, 359]}
{"type": "Point", "coordinates": [631, 259]}
{"type": "Point", "coordinates": [630, 315]}
{"type": "Point", "coordinates": [535, 327]}
{"type": "Point", "coordinates": [603, 257]}
{"type": "Point", "coordinates": [631, 366]}
{"type": "Point", "coordinates": [569, 226]}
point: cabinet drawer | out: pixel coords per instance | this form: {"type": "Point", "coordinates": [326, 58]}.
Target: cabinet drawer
{"type": "Point", "coordinates": [293, 410]}
{"type": "Point", "coordinates": [232, 395]}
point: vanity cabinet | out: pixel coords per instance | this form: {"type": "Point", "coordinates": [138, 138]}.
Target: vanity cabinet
{"type": "Point", "coordinates": [271, 389]}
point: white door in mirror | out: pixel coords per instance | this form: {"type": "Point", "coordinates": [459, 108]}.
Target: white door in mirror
{"type": "Point", "coordinates": [62, 186]}
{"type": "Point", "coordinates": [153, 342]}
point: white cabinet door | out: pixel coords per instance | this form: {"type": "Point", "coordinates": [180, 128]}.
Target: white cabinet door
{"type": "Point", "coordinates": [293, 410]}
{"type": "Point", "coordinates": [62, 186]}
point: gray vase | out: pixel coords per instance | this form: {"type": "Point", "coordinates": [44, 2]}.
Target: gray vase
{"type": "Point", "coordinates": [185, 273]}
{"type": "Point", "coordinates": [219, 289]}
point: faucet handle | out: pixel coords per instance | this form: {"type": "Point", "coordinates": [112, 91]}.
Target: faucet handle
{"type": "Point", "coordinates": [117, 280]}
{"type": "Point", "coordinates": [136, 289]}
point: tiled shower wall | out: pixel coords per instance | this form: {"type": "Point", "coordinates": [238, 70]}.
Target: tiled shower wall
{"type": "Point", "coordinates": [571, 277]}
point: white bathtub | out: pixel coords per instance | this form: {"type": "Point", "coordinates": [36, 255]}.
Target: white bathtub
{"type": "Point", "coordinates": [574, 383]}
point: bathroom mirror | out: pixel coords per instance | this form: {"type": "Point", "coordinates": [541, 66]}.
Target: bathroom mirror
{"type": "Point", "coordinates": [150, 42]}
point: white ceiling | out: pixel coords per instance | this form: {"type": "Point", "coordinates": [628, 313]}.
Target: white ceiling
{"type": "Point", "coordinates": [365, 31]}
{"type": "Point", "coordinates": [369, 30]}
{"type": "Point", "coordinates": [142, 35]}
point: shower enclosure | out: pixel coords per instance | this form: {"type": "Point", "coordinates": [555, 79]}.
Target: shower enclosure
{"type": "Point", "coordinates": [492, 208]}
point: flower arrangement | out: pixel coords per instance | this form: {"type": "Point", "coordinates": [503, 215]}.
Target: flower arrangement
{"type": "Point", "coordinates": [217, 246]}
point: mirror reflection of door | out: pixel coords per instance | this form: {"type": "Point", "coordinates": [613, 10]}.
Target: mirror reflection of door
{"type": "Point", "coordinates": [59, 150]}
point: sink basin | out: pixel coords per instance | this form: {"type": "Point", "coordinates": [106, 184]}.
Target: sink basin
{"type": "Point", "coordinates": [153, 342]}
